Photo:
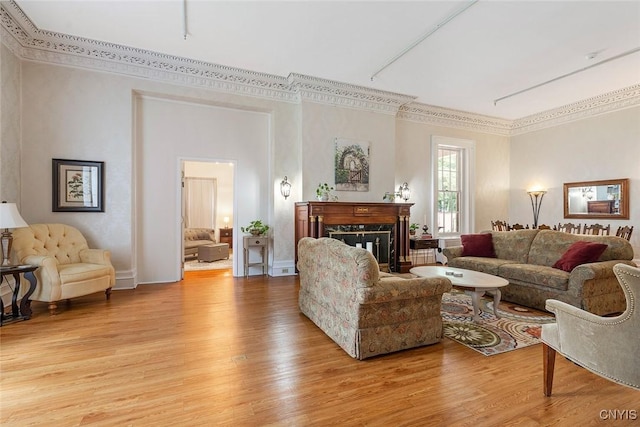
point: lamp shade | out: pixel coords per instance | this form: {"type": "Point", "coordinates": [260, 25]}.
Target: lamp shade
{"type": "Point", "coordinates": [10, 217]}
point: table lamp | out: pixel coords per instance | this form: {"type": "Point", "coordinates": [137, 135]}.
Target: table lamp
{"type": "Point", "coordinates": [226, 222]}
{"type": "Point", "coordinates": [9, 218]}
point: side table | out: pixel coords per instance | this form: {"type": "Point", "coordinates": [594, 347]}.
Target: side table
{"type": "Point", "coordinates": [259, 243]}
{"type": "Point", "coordinates": [23, 312]}
{"type": "Point", "coordinates": [418, 244]}
{"type": "Point", "coordinates": [226, 236]}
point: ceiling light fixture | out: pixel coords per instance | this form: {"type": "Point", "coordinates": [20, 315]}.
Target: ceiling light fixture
{"type": "Point", "coordinates": [613, 58]}
{"type": "Point", "coordinates": [424, 36]}
{"type": "Point", "coordinates": [184, 18]}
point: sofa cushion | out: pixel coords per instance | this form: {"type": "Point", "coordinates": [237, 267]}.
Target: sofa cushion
{"type": "Point", "coordinates": [580, 253]}
{"type": "Point", "coordinates": [484, 265]}
{"type": "Point", "coordinates": [514, 245]}
{"type": "Point", "coordinates": [479, 245]}
{"type": "Point", "coordinates": [549, 245]}
{"type": "Point", "coordinates": [536, 274]}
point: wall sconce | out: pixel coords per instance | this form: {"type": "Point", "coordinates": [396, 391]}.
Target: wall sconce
{"type": "Point", "coordinates": [9, 218]}
{"type": "Point", "coordinates": [285, 188]}
{"type": "Point", "coordinates": [404, 192]}
{"type": "Point", "coordinates": [536, 200]}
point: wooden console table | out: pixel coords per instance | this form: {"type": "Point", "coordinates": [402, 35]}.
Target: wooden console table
{"type": "Point", "coordinates": [313, 218]}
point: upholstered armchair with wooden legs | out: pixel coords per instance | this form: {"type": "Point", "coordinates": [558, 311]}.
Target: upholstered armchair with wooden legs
{"type": "Point", "coordinates": [606, 346]}
{"type": "Point", "coordinates": [67, 267]}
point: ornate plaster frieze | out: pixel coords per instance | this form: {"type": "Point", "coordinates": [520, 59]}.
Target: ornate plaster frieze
{"type": "Point", "coordinates": [64, 49]}
{"type": "Point", "coordinates": [606, 103]}
{"type": "Point", "coordinates": [27, 41]}
{"type": "Point", "coordinates": [346, 95]}
{"type": "Point", "coordinates": [452, 118]}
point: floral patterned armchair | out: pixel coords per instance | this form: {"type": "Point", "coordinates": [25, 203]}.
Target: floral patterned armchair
{"type": "Point", "coordinates": [365, 311]}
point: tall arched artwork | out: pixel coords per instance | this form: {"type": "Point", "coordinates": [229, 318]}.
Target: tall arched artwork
{"type": "Point", "coordinates": [352, 165]}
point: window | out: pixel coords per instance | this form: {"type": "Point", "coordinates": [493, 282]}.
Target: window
{"type": "Point", "coordinates": [453, 161]}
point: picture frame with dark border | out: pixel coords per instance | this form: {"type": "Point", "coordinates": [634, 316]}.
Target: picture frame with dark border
{"type": "Point", "coordinates": [78, 186]}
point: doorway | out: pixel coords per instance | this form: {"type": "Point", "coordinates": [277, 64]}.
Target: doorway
{"type": "Point", "coordinates": [207, 201]}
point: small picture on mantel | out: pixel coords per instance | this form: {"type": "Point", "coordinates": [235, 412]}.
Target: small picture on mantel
{"type": "Point", "coordinates": [352, 165]}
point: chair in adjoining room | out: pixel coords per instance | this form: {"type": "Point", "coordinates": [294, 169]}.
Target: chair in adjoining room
{"type": "Point", "coordinates": [519, 227]}
{"type": "Point", "coordinates": [625, 232]}
{"type": "Point", "coordinates": [606, 346]}
{"type": "Point", "coordinates": [67, 267]}
{"type": "Point", "coordinates": [569, 228]}
{"type": "Point", "coordinates": [596, 229]}
{"type": "Point", "coordinates": [499, 225]}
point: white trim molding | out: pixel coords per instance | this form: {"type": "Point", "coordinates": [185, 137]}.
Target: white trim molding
{"type": "Point", "coordinates": [28, 42]}
{"type": "Point", "coordinates": [453, 118]}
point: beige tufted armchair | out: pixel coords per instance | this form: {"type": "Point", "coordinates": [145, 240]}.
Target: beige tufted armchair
{"type": "Point", "coordinates": [68, 268]}
{"type": "Point", "coordinates": [606, 346]}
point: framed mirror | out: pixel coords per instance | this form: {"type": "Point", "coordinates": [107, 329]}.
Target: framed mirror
{"type": "Point", "coordinates": [608, 199]}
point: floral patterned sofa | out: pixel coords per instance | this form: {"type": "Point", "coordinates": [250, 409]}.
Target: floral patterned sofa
{"type": "Point", "coordinates": [365, 311]}
{"type": "Point", "coordinates": [526, 258]}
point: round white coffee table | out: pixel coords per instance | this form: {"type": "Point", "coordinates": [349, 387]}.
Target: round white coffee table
{"type": "Point", "coordinates": [473, 283]}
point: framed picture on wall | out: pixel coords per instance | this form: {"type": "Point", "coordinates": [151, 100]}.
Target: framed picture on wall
{"type": "Point", "coordinates": [78, 186]}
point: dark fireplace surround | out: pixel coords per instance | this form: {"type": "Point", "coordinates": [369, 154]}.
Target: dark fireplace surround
{"type": "Point", "coordinates": [385, 225]}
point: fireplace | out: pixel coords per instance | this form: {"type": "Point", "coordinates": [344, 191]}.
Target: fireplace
{"type": "Point", "coordinates": [372, 238]}
{"type": "Point", "coordinates": [360, 222]}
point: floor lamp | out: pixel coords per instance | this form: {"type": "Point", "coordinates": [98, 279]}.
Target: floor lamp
{"type": "Point", "coordinates": [9, 218]}
{"type": "Point", "coordinates": [536, 200]}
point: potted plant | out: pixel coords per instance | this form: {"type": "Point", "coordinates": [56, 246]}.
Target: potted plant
{"type": "Point", "coordinates": [323, 192]}
{"type": "Point", "coordinates": [256, 228]}
{"type": "Point", "coordinates": [413, 228]}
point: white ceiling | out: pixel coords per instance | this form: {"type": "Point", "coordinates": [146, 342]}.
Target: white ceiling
{"type": "Point", "coordinates": [491, 50]}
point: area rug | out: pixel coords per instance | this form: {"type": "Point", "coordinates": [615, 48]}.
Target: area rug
{"type": "Point", "coordinates": [195, 265]}
{"type": "Point", "coordinates": [517, 326]}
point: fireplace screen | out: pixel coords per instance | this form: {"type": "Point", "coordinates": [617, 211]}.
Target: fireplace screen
{"type": "Point", "coordinates": [376, 242]}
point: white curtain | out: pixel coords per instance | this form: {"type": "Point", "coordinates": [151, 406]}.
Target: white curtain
{"type": "Point", "coordinates": [200, 196]}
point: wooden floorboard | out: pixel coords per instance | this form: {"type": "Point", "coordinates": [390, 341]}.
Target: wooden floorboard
{"type": "Point", "coordinates": [217, 350]}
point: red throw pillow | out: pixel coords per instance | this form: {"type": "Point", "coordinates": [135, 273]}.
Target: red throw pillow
{"type": "Point", "coordinates": [478, 245]}
{"type": "Point", "coordinates": [580, 253]}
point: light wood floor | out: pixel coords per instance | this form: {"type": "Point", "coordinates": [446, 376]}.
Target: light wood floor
{"type": "Point", "coordinates": [217, 350]}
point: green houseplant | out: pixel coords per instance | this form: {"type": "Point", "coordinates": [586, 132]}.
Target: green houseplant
{"type": "Point", "coordinates": [413, 228]}
{"type": "Point", "coordinates": [257, 228]}
{"type": "Point", "coordinates": [323, 192]}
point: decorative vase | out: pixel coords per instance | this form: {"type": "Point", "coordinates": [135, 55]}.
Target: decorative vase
{"type": "Point", "coordinates": [255, 232]}
{"type": "Point", "coordinates": [324, 197]}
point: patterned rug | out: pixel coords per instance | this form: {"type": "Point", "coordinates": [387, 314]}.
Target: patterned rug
{"type": "Point", "coordinates": [517, 327]}
{"type": "Point", "coordinates": [195, 265]}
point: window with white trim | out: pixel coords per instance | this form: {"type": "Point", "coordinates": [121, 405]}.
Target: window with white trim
{"type": "Point", "coordinates": [453, 164]}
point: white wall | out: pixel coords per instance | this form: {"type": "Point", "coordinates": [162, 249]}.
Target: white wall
{"type": "Point", "coordinates": [171, 130]}
{"type": "Point", "coordinates": [413, 164]}
{"type": "Point", "coordinates": [322, 124]}
{"type": "Point", "coordinates": [601, 147]}
{"type": "Point", "coordinates": [87, 115]}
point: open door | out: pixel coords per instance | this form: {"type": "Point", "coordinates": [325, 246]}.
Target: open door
{"type": "Point", "coordinates": [206, 202]}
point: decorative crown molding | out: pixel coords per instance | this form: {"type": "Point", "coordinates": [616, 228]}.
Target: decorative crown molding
{"type": "Point", "coordinates": [347, 95]}
{"type": "Point", "coordinates": [28, 42]}
{"type": "Point", "coordinates": [424, 113]}
{"type": "Point", "coordinates": [605, 103]}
